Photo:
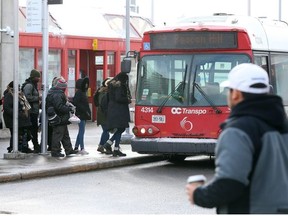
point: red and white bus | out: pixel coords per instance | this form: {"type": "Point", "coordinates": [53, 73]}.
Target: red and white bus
{"type": "Point", "coordinates": [180, 101]}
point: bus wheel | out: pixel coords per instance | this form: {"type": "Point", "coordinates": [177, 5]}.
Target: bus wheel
{"type": "Point", "coordinates": [176, 158]}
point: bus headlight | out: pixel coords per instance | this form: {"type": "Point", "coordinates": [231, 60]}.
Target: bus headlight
{"type": "Point", "coordinates": [150, 131]}
{"type": "Point", "coordinates": [142, 130]}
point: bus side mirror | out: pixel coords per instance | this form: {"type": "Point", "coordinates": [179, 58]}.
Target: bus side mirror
{"type": "Point", "coordinates": [126, 66]}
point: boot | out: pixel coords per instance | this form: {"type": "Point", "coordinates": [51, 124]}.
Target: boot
{"type": "Point", "coordinates": [101, 149]}
{"type": "Point", "coordinates": [107, 147]}
{"type": "Point", "coordinates": [37, 148]}
{"type": "Point", "coordinates": [118, 153]}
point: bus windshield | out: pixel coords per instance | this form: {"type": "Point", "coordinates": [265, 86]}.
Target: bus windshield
{"type": "Point", "coordinates": [185, 80]}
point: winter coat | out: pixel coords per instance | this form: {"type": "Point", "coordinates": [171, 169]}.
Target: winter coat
{"type": "Point", "coordinates": [57, 99]}
{"type": "Point", "coordinates": [251, 163]}
{"type": "Point", "coordinates": [101, 117]}
{"type": "Point", "coordinates": [118, 115]}
{"type": "Point", "coordinates": [80, 100]}
{"type": "Point", "coordinates": [23, 114]}
{"type": "Point", "coordinates": [30, 90]}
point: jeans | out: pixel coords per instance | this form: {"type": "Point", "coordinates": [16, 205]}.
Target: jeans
{"type": "Point", "coordinates": [104, 136]}
{"type": "Point", "coordinates": [80, 136]}
{"type": "Point", "coordinates": [117, 136]}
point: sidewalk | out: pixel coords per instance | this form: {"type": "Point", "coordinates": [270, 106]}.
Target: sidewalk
{"type": "Point", "coordinates": [43, 165]}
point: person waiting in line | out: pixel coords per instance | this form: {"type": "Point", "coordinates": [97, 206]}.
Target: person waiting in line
{"type": "Point", "coordinates": [83, 112]}
{"type": "Point", "coordinates": [101, 114]}
{"type": "Point", "coordinates": [118, 115]}
{"type": "Point", "coordinates": [23, 118]}
{"type": "Point", "coordinates": [57, 100]}
{"type": "Point", "coordinates": [50, 128]}
{"type": "Point", "coordinates": [31, 92]}
{"type": "Point", "coordinates": [251, 152]}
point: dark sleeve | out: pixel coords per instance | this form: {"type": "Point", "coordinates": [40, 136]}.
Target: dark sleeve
{"type": "Point", "coordinates": [218, 193]}
{"type": "Point", "coordinates": [60, 104]}
{"type": "Point", "coordinates": [96, 98]}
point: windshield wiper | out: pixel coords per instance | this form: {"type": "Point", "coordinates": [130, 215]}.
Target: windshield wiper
{"type": "Point", "coordinates": [218, 111]}
{"type": "Point", "coordinates": [177, 93]}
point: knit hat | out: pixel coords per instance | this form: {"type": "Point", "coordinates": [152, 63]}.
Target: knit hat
{"type": "Point", "coordinates": [34, 73]}
{"type": "Point", "coordinates": [61, 84]}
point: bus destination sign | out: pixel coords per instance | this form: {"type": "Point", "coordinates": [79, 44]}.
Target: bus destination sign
{"type": "Point", "coordinates": [193, 40]}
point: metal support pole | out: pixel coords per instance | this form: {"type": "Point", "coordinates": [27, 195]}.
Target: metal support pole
{"type": "Point", "coordinates": [249, 7]}
{"type": "Point", "coordinates": [280, 11]}
{"type": "Point", "coordinates": [16, 77]}
{"type": "Point", "coordinates": [45, 53]}
{"type": "Point", "coordinates": [126, 138]}
{"type": "Point", "coordinates": [15, 154]}
{"type": "Point", "coordinates": [127, 25]}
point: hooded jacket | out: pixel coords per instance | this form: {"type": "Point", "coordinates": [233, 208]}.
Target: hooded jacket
{"type": "Point", "coordinates": [57, 99]}
{"type": "Point", "coordinates": [251, 160]}
{"type": "Point", "coordinates": [118, 115]}
{"type": "Point", "coordinates": [80, 100]}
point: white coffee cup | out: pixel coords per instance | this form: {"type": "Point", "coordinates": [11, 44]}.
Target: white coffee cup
{"type": "Point", "coordinates": [197, 178]}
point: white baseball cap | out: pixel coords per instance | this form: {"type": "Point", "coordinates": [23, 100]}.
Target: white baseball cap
{"type": "Point", "coordinates": [243, 77]}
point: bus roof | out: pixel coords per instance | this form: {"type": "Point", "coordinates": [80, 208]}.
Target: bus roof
{"type": "Point", "coordinates": [264, 34]}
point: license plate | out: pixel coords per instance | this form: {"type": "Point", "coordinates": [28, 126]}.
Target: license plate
{"type": "Point", "coordinates": [158, 119]}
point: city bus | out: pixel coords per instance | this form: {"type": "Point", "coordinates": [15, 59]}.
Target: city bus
{"type": "Point", "coordinates": [180, 100]}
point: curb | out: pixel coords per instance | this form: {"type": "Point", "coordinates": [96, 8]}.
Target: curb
{"type": "Point", "coordinates": [47, 172]}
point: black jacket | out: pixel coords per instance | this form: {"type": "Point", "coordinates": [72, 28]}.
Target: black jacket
{"type": "Point", "coordinates": [23, 117]}
{"type": "Point", "coordinates": [118, 115]}
{"type": "Point", "coordinates": [80, 100]}
{"type": "Point", "coordinates": [56, 98]}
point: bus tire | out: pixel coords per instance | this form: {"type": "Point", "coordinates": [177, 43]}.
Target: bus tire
{"type": "Point", "coordinates": [176, 158]}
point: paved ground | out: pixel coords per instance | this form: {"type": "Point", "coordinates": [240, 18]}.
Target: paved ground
{"type": "Point", "coordinates": [42, 165]}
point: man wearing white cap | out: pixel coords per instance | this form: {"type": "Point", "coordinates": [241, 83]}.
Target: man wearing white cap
{"type": "Point", "coordinates": [252, 151]}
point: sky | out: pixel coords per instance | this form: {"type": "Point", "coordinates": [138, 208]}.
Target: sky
{"type": "Point", "coordinates": [169, 11]}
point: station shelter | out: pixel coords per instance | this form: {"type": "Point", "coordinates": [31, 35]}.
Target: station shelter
{"type": "Point", "coordinates": [80, 47]}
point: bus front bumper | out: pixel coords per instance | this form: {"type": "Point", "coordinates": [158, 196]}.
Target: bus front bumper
{"type": "Point", "coordinates": [180, 146]}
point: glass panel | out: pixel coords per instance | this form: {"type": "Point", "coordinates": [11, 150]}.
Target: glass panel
{"type": "Point", "coordinates": [99, 78]}
{"type": "Point", "coordinates": [71, 72]}
{"type": "Point", "coordinates": [118, 24]}
{"type": "Point", "coordinates": [279, 68]}
{"type": "Point", "coordinates": [54, 64]}
{"type": "Point", "coordinates": [26, 63]}
{"type": "Point", "coordinates": [141, 24]}
{"type": "Point", "coordinates": [168, 79]}
{"type": "Point", "coordinates": [99, 60]}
